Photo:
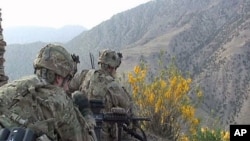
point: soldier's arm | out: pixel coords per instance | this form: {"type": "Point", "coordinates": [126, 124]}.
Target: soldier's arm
{"type": "Point", "coordinates": [118, 96]}
{"type": "Point", "coordinates": [66, 124]}
{"type": "Point", "coordinates": [76, 81]}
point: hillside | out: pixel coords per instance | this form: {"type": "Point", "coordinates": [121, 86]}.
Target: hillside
{"type": "Point", "coordinates": [19, 59]}
{"type": "Point", "coordinates": [29, 34]}
{"type": "Point", "coordinates": [209, 38]}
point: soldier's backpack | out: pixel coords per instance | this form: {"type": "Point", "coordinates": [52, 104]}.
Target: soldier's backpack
{"type": "Point", "coordinates": [18, 101]}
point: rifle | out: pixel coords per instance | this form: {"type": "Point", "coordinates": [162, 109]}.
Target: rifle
{"type": "Point", "coordinates": [122, 121]}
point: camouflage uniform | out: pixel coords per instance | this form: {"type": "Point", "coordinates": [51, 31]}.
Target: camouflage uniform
{"type": "Point", "coordinates": [101, 84]}
{"type": "Point", "coordinates": [36, 103]}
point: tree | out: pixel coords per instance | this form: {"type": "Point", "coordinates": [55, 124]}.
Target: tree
{"type": "Point", "coordinates": [165, 99]}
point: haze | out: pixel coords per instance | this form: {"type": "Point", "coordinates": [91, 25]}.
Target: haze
{"type": "Point", "coordinates": [57, 13]}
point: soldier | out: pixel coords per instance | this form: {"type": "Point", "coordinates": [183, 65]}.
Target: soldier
{"type": "Point", "coordinates": [101, 84]}
{"type": "Point", "coordinates": [39, 102]}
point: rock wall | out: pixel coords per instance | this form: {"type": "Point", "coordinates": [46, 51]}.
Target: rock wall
{"type": "Point", "coordinates": [3, 79]}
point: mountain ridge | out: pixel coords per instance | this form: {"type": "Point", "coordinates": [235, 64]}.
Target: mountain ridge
{"type": "Point", "coordinates": [29, 34]}
{"type": "Point", "coordinates": [209, 39]}
{"type": "Point", "coordinates": [198, 33]}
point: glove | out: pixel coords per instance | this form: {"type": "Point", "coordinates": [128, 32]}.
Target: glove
{"type": "Point", "coordinates": [118, 110]}
{"type": "Point", "coordinates": [80, 100]}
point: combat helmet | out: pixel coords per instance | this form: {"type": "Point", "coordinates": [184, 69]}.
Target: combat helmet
{"type": "Point", "coordinates": [57, 59]}
{"type": "Point", "coordinates": [110, 57]}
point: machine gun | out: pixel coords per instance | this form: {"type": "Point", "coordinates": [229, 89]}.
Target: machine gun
{"type": "Point", "coordinates": [121, 119]}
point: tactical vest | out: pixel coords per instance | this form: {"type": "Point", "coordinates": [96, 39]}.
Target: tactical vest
{"type": "Point", "coordinates": [20, 104]}
{"type": "Point", "coordinates": [94, 84]}
{"type": "Point", "coordinates": [98, 85]}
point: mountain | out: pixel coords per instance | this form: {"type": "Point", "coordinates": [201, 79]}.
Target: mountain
{"type": "Point", "coordinates": [19, 59]}
{"type": "Point", "coordinates": [209, 39]}
{"type": "Point", "coordinates": [29, 34]}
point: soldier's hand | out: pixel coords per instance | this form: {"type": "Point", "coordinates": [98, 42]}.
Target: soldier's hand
{"type": "Point", "coordinates": [80, 100]}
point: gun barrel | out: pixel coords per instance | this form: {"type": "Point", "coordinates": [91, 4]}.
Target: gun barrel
{"type": "Point", "coordinates": [110, 117]}
{"type": "Point", "coordinates": [120, 119]}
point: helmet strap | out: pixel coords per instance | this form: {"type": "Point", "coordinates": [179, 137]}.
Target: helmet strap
{"type": "Point", "coordinates": [66, 79]}
{"type": "Point", "coordinates": [108, 69]}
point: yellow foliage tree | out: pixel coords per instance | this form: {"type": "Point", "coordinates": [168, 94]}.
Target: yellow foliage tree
{"type": "Point", "coordinates": [165, 99]}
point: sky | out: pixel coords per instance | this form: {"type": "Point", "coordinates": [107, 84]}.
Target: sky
{"type": "Point", "coordinates": [57, 13]}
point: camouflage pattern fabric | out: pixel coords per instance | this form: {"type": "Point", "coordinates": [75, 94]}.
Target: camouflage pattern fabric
{"type": "Point", "coordinates": [97, 84]}
{"type": "Point", "coordinates": [110, 57]}
{"type": "Point", "coordinates": [45, 108]}
{"type": "Point", "coordinates": [57, 59]}
{"type": "Point", "coordinates": [81, 102]}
